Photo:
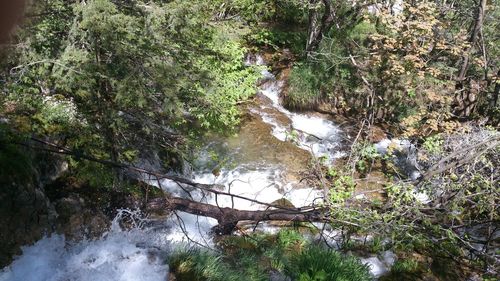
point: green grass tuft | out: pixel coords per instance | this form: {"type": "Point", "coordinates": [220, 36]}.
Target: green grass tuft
{"type": "Point", "coordinates": [319, 264]}
{"type": "Point", "coordinates": [303, 88]}
{"type": "Point", "coordinates": [253, 258]}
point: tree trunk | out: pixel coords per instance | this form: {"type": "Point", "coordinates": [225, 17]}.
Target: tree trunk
{"type": "Point", "coordinates": [318, 26]}
{"type": "Point", "coordinates": [11, 14]}
{"type": "Point", "coordinates": [496, 92]}
{"type": "Point", "coordinates": [478, 23]}
{"type": "Point", "coordinates": [466, 99]}
{"type": "Point", "coordinates": [229, 217]}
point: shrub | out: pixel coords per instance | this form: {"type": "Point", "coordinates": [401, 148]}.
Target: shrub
{"type": "Point", "coordinates": [304, 88]}
{"type": "Point", "coordinates": [254, 257]}
{"type": "Point", "coordinates": [405, 266]}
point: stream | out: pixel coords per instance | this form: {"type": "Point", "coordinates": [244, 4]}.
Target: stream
{"type": "Point", "coordinates": [263, 161]}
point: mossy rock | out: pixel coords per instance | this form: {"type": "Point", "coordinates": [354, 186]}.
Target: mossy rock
{"type": "Point", "coordinates": [283, 202]}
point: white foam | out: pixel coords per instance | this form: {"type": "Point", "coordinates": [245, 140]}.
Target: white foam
{"type": "Point", "coordinates": [304, 196]}
{"type": "Point", "coordinates": [259, 60]}
{"type": "Point", "coordinates": [262, 185]}
{"type": "Point", "coordinates": [279, 131]}
{"type": "Point", "coordinates": [380, 265]}
{"type": "Point", "coordinates": [313, 133]}
{"type": "Point", "coordinates": [266, 184]}
{"type": "Point", "coordinates": [314, 125]}
{"type": "Point", "coordinates": [187, 228]}
{"type": "Point", "coordinates": [115, 257]}
{"type": "Point", "coordinates": [404, 155]}
{"type": "Point", "coordinates": [421, 196]}
{"type": "Point", "coordinates": [271, 90]}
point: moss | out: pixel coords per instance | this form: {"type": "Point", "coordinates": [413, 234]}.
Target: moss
{"type": "Point", "coordinates": [15, 162]}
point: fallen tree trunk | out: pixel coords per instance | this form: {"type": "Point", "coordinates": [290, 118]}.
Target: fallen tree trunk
{"type": "Point", "coordinates": [460, 157]}
{"type": "Point", "coordinates": [229, 217]}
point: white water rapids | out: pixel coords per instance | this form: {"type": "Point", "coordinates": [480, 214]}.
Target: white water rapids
{"type": "Point", "coordinates": [313, 133]}
{"type": "Point", "coordinates": [119, 255]}
{"type": "Point", "coordinates": [260, 173]}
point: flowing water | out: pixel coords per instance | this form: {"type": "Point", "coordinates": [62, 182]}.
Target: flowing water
{"type": "Point", "coordinates": [263, 162]}
{"type": "Point", "coordinates": [119, 255]}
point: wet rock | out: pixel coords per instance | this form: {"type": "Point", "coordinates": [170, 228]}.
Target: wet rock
{"type": "Point", "coordinates": [38, 201]}
{"type": "Point", "coordinates": [403, 154]}
{"type": "Point", "coordinates": [376, 134]}
{"type": "Point", "coordinates": [278, 276]}
{"type": "Point", "coordinates": [26, 215]}
{"type": "Point", "coordinates": [380, 265]}
{"type": "Point", "coordinates": [76, 220]}
{"type": "Point", "coordinates": [69, 205]}
{"type": "Point", "coordinates": [283, 202]}
{"type": "Point", "coordinates": [445, 269]}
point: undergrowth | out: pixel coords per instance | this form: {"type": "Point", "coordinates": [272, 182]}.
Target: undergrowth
{"type": "Point", "coordinates": [255, 257]}
{"type": "Point", "coordinates": [304, 88]}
